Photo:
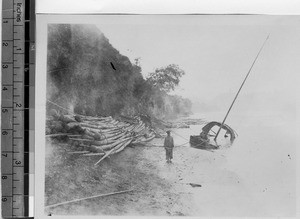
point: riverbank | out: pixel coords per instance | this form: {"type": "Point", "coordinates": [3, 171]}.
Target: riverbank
{"type": "Point", "coordinates": [157, 187]}
{"type": "Point", "coordinates": [255, 177]}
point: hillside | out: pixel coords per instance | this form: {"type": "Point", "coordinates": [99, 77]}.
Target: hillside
{"type": "Point", "coordinates": [88, 76]}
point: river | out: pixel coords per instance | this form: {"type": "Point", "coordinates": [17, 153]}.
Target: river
{"type": "Point", "coordinates": [262, 162]}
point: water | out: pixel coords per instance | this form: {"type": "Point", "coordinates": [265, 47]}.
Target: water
{"type": "Point", "coordinates": [263, 157]}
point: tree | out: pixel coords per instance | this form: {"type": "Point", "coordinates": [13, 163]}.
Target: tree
{"type": "Point", "coordinates": [166, 78]}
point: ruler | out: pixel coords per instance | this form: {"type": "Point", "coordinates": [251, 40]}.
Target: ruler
{"type": "Point", "coordinates": [17, 68]}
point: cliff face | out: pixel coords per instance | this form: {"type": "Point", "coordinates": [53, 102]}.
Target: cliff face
{"type": "Point", "coordinates": [87, 75]}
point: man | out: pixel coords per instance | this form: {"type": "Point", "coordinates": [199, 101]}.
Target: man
{"type": "Point", "coordinates": [169, 145]}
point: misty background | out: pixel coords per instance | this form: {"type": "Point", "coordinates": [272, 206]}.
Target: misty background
{"type": "Point", "coordinates": [216, 52]}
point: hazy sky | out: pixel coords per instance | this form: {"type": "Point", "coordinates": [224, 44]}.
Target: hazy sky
{"type": "Point", "coordinates": [215, 52]}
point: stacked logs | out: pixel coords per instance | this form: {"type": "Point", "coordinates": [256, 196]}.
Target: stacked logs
{"type": "Point", "coordinates": [102, 136]}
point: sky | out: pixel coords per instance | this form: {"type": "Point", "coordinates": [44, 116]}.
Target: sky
{"type": "Point", "coordinates": [216, 53]}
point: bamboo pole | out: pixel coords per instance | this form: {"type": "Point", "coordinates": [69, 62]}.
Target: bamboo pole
{"type": "Point", "coordinates": [58, 134]}
{"type": "Point", "coordinates": [80, 139]}
{"type": "Point", "coordinates": [78, 152]}
{"type": "Point", "coordinates": [109, 146]}
{"type": "Point", "coordinates": [120, 148]}
{"type": "Point", "coordinates": [81, 199]}
{"type": "Point", "coordinates": [71, 136]}
{"type": "Point", "coordinates": [93, 154]}
{"type": "Point", "coordinates": [112, 150]}
{"type": "Point", "coordinates": [241, 87]}
{"type": "Point", "coordinates": [106, 155]}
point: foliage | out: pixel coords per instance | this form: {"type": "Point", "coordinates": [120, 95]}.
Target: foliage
{"type": "Point", "coordinates": [166, 78]}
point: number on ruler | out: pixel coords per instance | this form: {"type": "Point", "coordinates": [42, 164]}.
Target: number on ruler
{"type": "Point", "coordinates": [4, 44]}
{"type": "Point", "coordinates": [4, 88]}
{"type": "Point", "coordinates": [4, 177]}
{"type": "Point", "coordinates": [17, 162]}
{"type": "Point", "coordinates": [5, 155]}
{"type": "Point", "coordinates": [4, 199]}
{"type": "Point", "coordinates": [4, 66]}
{"type": "Point", "coordinates": [4, 110]}
{"type": "Point", "coordinates": [18, 105]}
{"type": "Point", "coordinates": [4, 133]}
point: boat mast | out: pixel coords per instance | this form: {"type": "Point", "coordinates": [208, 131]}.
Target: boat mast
{"type": "Point", "coordinates": [241, 87]}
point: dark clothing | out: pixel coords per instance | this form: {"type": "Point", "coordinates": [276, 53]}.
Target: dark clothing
{"type": "Point", "coordinates": [169, 145]}
{"type": "Point", "coordinates": [169, 153]}
{"type": "Point", "coordinates": [169, 142]}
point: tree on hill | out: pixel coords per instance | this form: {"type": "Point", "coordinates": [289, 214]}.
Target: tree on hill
{"type": "Point", "coordinates": [166, 78]}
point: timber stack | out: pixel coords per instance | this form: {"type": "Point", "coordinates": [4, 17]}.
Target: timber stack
{"type": "Point", "coordinates": [91, 136]}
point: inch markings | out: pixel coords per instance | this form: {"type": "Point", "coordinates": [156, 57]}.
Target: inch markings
{"type": "Point", "coordinates": [12, 109]}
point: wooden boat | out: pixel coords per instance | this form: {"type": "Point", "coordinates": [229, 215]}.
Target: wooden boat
{"type": "Point", "coordinates": [197, 142]}
{"type": "Point", "coordinates": [202, 142]}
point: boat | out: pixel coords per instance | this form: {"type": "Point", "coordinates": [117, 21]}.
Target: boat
{"type": "Point", "coordinates": [204, 140]}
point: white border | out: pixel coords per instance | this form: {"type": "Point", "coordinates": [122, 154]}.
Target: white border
{"type": "Point", "coordinates": [272, 7]}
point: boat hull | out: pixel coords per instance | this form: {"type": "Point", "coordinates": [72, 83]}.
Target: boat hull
{"type": "Point", "coordinates": [197, 142]}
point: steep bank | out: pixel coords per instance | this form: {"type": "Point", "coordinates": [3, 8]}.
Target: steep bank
{"type": "Point", "coordinates": [88, 76]}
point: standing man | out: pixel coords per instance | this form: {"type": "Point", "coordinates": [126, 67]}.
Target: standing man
{"type": "Point", "coordinates": [169, 145]}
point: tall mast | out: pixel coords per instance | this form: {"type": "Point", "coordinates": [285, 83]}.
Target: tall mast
{"type": "Point", "coordinates": [241, 87]}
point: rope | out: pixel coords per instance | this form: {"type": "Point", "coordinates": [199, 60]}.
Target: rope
{"type": "Point", "coordinates": [180, 136]}
{"type": "Point", "coordinates": [58, 69]}
{"type": "Point", "coordinates": [182, 144]}
{"type": "Point", "coordinates": [63, 108]}
{"type": "Point", "coordinates": [152, 145]}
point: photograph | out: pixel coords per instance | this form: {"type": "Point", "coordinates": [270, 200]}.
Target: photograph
{"type": "Point", "coordinates": [170, 115]}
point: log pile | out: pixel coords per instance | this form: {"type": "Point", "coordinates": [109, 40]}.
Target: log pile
{"type": "Point", "coordinates": [98, 136]}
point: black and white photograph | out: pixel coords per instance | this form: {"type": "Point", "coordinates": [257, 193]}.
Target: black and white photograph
{"type": "Point", "coordinates": [171, 115]}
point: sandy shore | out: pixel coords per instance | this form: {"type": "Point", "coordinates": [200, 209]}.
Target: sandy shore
{"type": "Point", "coordinates": [240, 181]}
{"type": "Point", "coordinates": [158, 188]}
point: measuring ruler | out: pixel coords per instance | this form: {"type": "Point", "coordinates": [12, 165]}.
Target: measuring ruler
{"type": "Point", "coordinates": [17, 71]}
